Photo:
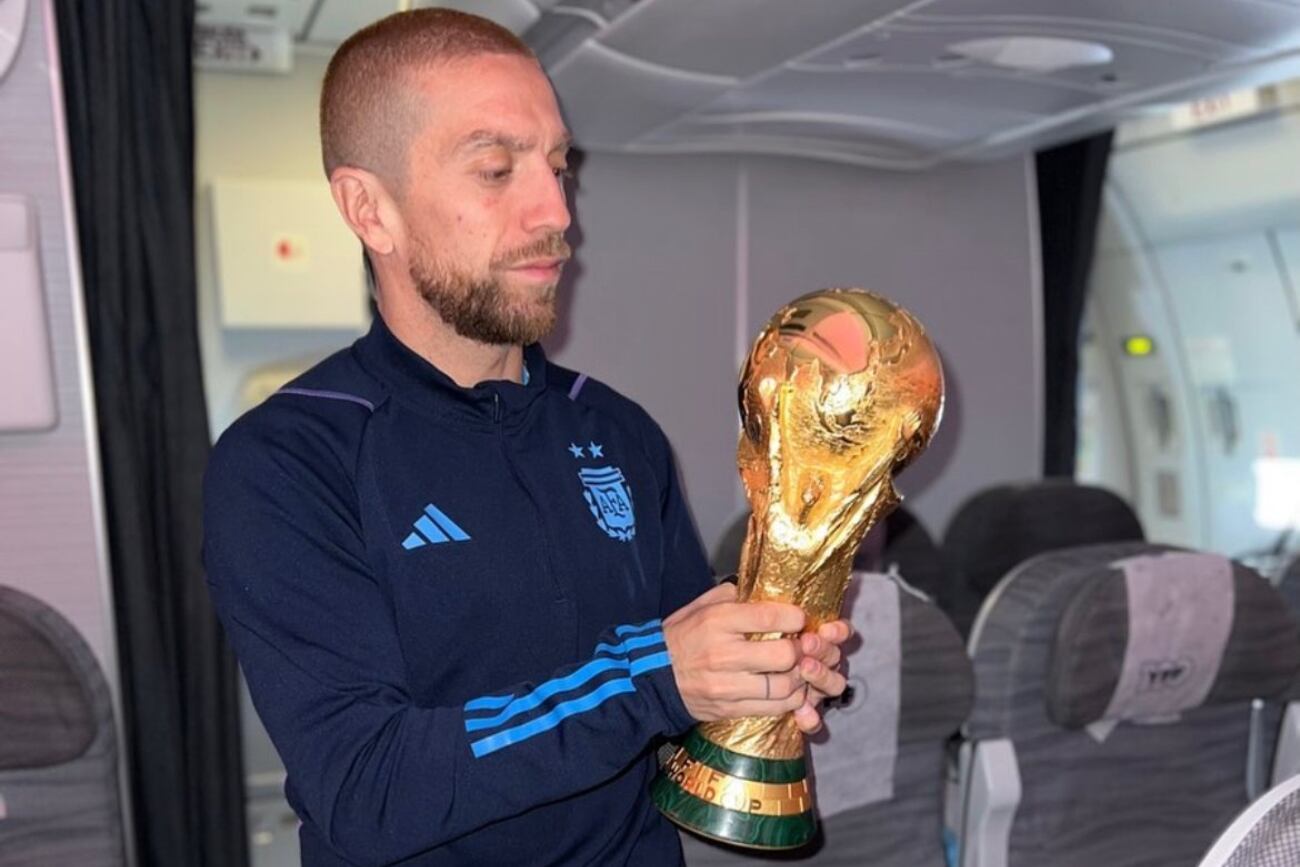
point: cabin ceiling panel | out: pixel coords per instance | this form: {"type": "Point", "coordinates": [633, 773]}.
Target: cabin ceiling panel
{"type": "Point", "coordinates": [894, 83]}
{"type": "Point", "coordinates": [738, 38]}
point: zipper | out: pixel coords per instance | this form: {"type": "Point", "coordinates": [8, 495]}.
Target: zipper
{"type": "Point", "coordinates": [560, 595]}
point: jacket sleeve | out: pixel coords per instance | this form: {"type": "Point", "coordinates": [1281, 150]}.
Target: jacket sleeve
{"type": "Point", "coordinates": [379, 776]}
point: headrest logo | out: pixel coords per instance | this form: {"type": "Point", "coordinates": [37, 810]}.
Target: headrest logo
{"type": "Point", "coordinates": [1165, 674]}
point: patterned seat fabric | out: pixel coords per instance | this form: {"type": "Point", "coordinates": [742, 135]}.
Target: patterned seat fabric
{"type": "Point", "coordinates": [1123, 676]}
{"type": "Point", "coordinates": [58, 748]}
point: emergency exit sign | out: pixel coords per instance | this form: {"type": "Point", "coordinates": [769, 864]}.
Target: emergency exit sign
{"type": "Point", "coordinates": [1221, 108]}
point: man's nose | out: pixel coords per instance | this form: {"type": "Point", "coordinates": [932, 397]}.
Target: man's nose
{"type": "Point", "coordinates": [547, 210]}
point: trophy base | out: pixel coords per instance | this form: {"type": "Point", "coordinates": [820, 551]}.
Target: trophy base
{"type": "Point", "coordinates": [736, 799]}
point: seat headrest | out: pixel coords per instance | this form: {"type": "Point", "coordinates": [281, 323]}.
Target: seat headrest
{"type": "Point", "coordinates": [899, 540]}
{"type": "Point", "coordinates": [46, 713]}
{"type": "Point", "coordinates": [902, 542]}
{"type": "Point", "coordinates": [1155, 634]}
{"type": "Point", "coordinates": [1001, 527]}
{"type": "Point", "coordinates": [936, 681]}
{"type": "Point", "coordinates": [910, 686]}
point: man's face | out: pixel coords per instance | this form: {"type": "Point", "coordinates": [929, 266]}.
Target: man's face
{"type": "Point", "coordinates": [484, 198]}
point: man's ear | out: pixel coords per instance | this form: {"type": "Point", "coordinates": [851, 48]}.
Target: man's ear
{"type": "Point", "coordinates": [367, 208]}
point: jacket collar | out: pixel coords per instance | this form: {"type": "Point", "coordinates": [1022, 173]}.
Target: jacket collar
{"type": "Point", "coordinates": [415, 381]}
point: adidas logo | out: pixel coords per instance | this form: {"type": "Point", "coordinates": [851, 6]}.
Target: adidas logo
{"type": "Point", "coordinates": [434, 528]}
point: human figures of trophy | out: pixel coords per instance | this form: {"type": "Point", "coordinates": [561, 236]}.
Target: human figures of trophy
{"type": "Point", "coordinates": [841, 390]}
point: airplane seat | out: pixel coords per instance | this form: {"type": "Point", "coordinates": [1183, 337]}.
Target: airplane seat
{"type": "Point", "coordinates": [907, 549]}
{"type": "Point", "coordinates": [879, 765]}
{"type": "Point", "coordinates": [1112, 724]}
{"type": "Point", "coordinates": [904, 546]}
{"type": "Point", "coordinates": [1000, 527]}
{"type": "Point", "coordinates": [1289, 584]}
{"type": "Point", "coordinates": [1286, 749]}
{"type": "Point", "coordinates": [725, 558]}
{"type": "Point", "coordinates": [58, 745]}
{"type": "Point", "coordinates": [1266, 834]}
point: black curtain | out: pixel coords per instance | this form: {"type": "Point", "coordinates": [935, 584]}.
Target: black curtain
{"type": "Point", "coordinates": [1070, 179]}
{"type": "Point", "coordinates": [127, 89]}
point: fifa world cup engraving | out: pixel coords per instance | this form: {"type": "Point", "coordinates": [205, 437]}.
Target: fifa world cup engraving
{"type": "Point", "coordinates": [841, 390]}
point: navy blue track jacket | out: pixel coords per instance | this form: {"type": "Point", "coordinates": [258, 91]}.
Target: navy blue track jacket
{"type": "Point", "coordinates": [447, 604]}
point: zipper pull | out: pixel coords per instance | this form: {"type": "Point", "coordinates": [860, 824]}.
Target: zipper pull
{"type": "Point", "coordinates": [496, 407]}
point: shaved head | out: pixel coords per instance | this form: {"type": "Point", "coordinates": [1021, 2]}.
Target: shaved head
{"type": "Point", "coordinates": [447, 155]}
{"type": "Point", "coordinates": [371, 105]}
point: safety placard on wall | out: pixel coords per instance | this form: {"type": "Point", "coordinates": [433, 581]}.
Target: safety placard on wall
{"type": "Point", "coordinates": [284, 257]}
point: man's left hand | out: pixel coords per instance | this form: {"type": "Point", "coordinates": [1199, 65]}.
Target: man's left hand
{"type": "Point", "coordinates": [821, 657]}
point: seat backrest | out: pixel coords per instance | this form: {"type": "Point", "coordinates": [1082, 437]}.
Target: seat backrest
{"type": "Point", "coordinates": [1123, 676]}
{"type": "Point", "coordinates": [878, 768]}
{"type": "Point", "coordinates": [58, 748]}
{"type": "Point", "coordinates": [906, 547]}
{"type": "Point", "coordinates": [1000, 527]}
{"type": "Point", "coordinates": [725, 559]}
{"type": "Point", "coordinates": [1266, 834]}
{"type": "Point", "coordinates": [1289, 584]}
{"type": "Point", "coordinates": [1277, 729]}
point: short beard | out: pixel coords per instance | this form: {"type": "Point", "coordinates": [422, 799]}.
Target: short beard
{"type": "Point", "coordinates": [479, 308]}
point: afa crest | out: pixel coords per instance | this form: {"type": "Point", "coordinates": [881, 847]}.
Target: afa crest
{"type": "Point", "coordinates": [610, 500]}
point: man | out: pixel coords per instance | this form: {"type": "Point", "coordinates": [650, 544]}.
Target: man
{"type": "Point", "coordinates": [462, 582]}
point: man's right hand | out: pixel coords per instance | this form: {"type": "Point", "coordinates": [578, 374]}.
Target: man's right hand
{"type": "Point", "coordinates": [723, 675]}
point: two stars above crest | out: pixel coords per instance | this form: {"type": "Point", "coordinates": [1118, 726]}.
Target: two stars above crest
{"type": "Point", "coordinates": [596, 450]}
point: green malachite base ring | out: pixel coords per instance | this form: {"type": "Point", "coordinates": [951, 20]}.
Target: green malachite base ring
{"type": "Point", "coordinates": [742, 800]}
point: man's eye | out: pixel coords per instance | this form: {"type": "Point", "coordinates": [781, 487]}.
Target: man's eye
{"type": "Point", "coordinates": [495, 175]}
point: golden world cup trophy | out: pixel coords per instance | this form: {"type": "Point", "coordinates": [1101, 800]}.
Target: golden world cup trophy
{"type": "Point", "coordinates": [841, 390]}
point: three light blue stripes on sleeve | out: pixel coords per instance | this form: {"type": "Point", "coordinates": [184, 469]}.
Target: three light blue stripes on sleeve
{"type": "Point", "coordinates": [609, 657]}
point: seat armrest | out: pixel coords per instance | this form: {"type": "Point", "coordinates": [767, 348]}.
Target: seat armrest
{"type": "Point", "coordinates": [1286, 759]}
{"type": "Point", "coordinates": [991, 794]}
